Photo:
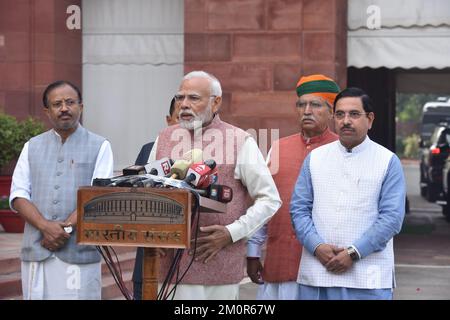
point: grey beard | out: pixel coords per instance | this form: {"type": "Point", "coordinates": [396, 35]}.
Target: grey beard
{"type": "Point", "coordinates": [191, 125]}
{"type": "Point", "coordinates": [198, 120]}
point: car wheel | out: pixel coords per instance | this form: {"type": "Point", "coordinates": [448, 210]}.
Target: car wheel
{"type": "Point", "coordinates": [406, 205]}
{"type": "Point", "coordinates": [446, 212]}
{"type": "Point", "coordinates": [423, 182]}
{"type": "Point", "coordinates": [423, 191]}
{"type": "Point", "coordinates": [431, 194]}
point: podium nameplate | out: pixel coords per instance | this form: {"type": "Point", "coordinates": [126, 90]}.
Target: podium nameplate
{"type": "Point", "coordinates": [144, 217]}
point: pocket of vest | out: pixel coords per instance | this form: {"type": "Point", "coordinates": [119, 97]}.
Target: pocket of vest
{"type": "Point", "coordinates": [82, 173]}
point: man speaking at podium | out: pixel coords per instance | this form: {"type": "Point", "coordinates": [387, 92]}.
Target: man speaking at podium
{"type": "Point", "coordinates": [219, 256]}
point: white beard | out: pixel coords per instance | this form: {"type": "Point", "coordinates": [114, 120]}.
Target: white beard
{"type": "Point", "coordinates": [198, 119]}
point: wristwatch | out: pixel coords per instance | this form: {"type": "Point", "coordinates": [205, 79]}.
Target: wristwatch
{"type": "Point", "coordinates": [68, 229]}
{"type": "Point", "coordinates": [351, 251]}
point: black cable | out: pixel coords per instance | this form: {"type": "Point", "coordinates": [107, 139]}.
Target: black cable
{"type": "Point", "coordinates": [178, 281]}
{"type": "Point", "coordinates": [162, 295]}
{"type": "Point", "coordinates": [116, 273]}
{"type": "Point", "coordinates": [177, 258]}
{"type": "Point", "coordinates": [116, 270]}
{"type": "Point", "coordinates": [196, 217]}
{"type": "Point", "coordinates": [174, 289]}
{"type": "Point", "coordinates": [112, 268]}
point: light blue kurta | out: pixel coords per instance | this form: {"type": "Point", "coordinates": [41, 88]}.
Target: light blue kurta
{"type": "Point", "coordinates": [349, 198]}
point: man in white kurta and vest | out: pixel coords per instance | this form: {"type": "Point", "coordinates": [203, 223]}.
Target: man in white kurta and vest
{"type": "Point", "coordinates": [44, 187]}
{"type": "Point", "coordinates": [316, 94]}
{"type": "Point", "coordinates": [348, 204]}
{"type": "Point", "coordinates": [219, 254]}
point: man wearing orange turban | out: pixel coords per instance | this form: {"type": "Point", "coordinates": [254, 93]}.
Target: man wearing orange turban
{"type": "Point", "coordinates": [278, 276]}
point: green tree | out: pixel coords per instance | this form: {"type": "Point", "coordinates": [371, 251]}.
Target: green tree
{"type": "Point", "coordinates": [409, 106]}
{"type": "Point", "coordinates": [412, 146]}
{"type": "Point", "coordinates": [14, 134]}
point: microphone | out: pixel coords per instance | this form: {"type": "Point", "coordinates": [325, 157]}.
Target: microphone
{"type": "Point", "coordinates": [169, 182]}
{"type": "Point", "coordinates": [217, 192]}
{"type": "Point", "coordinates": [111, 182]}
{"type": "Point", "coordinates": [159, 167]}
{"type": "Point", "coordinates": [145, 183]}
{"type": "Point", "coordinates": [101, 182]}
{"type": "Point", "coordinates": [200, 175]}
{"type": "Point", "coordinates": [211, 177]}
{"type": "Point", "coordinates": [180, 167]}
{"type": "Point", "coordinates": [133, 170]}
{"type": "Point", "coordinates": [128, 181]}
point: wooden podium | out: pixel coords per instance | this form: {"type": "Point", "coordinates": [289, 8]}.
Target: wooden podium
{"type": "Point", "coordinates": [139, 217]}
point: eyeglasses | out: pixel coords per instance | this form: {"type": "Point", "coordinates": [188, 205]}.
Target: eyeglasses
{"type": "Point", "coordinates": [352, 114]}
{"type": "Point", "coordinates": [314, 104]}
{"type": "Point", "coordinates": [192, 98]}
{"type": "Point", "coordinates": [69, 103]}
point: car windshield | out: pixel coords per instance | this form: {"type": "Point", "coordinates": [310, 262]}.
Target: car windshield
{"type": "Point", "coordinates": [447, 138]}
{"type": "Point", "coordinates": [430, 122]}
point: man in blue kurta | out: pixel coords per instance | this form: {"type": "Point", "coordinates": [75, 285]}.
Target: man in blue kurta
{"type": "Point", "coordinates": [347, 205]}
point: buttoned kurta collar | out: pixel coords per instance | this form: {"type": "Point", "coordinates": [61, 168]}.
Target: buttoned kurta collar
{"type": "Point", "coordinates": [355, 150]}
{"type": "Point", "coordinates": [315, 139]}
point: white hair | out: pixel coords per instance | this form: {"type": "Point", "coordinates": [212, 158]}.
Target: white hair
{"type": "Point", "coordinates": [215, 88]}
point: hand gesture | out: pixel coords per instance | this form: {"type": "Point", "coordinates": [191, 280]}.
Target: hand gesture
{"type": "Point", "coordinates": [214, 239]}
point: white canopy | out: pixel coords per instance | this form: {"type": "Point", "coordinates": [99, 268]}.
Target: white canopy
{"type": "Point", "coordinates": [413, 34]}
{"type": "Point", "coordinates": [133, 59]}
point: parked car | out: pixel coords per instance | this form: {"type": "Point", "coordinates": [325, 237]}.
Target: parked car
{"type": "Point", "coordinates": [445, 201]}
{"type": "Point", "coordinates": [433, 157]}
{"type": "Point", "coordinates": [433, 113]}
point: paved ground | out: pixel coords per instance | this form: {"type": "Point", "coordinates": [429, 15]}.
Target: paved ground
{"type": "Point", "coordinates": [423, 248]}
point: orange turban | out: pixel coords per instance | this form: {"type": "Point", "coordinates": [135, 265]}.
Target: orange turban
{"type": "Point", "coordinates": [318, 85]}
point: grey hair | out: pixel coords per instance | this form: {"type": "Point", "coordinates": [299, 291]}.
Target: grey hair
{"type": "Point", "coordinates": [216, 89]}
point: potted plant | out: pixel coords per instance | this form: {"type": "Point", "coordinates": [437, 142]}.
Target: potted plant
{"type": "Point", "coordinates": [11, 221]}
{"type": "Point", "coordinates": [13, 135]}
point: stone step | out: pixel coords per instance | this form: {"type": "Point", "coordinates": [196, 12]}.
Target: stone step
{"type": "Point", "coordinates": [9, 265]}
{"type": "Point", "coordinates": [13, 298]}
{"type": "Point", "coordinates": [126, 262]}
{"type": "Point", "coordinates": [12, 264]}
{"type": "Point", "coordinates": [11, 285]}
{"type": "Point", "coordinates": [110, 290]}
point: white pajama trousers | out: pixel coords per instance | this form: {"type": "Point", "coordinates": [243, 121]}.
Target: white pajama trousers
{"type": "Point", "coordinates": [54, 279]}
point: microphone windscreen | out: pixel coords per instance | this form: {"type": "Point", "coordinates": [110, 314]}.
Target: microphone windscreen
{"type": "Point", "coordinates": [220, 193]}
{"type": "Point", "coordinates": [194, 156]}
{"type": "Point", "coordinates": [180, 167]}
{"type": "Point", "coordinates": [210, 163]}
{"type": "Point", "coordinates": [195, 173]}
{"type": "Point", "coordinates": [159, 167]}
{"type": "Point", "coordinates": [190, 176]}
{"type": "Point", "coordinates": [226, 194]}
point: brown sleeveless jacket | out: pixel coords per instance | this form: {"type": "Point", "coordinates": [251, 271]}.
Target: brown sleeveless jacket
{"type": "Point", "coordinates": [227, 266]}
